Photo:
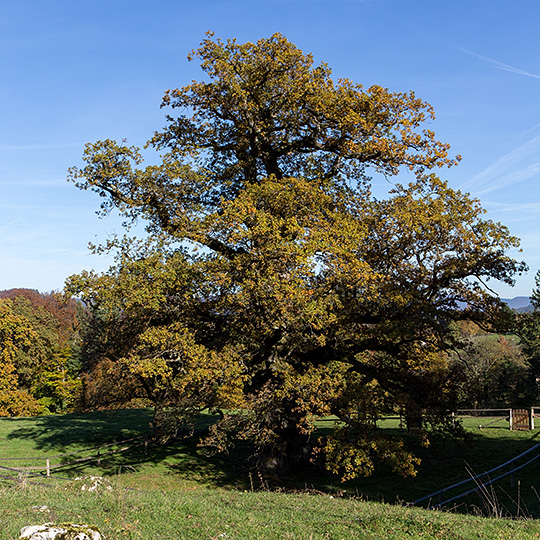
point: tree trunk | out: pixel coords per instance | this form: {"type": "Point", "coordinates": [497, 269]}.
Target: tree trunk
{"type": "Point", "coordinates": [290, 452]}
{"type": "Point", "coordinates": [413, 418]}
{"type": "Point", "coordinates": [159, 431]}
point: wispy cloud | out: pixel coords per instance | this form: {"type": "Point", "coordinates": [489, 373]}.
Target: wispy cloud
{"type": "Point", "coordinates": [534, 128]}
{"type": "Point", "coordinates": [500, 65]}
{"type": "Point", "coordinates": [510, 169]}
{"type": "Point", "coordinates": [40, 146]}
{"type": "Point", "coordinates": [8, 225]}
{"type": "Point", "coordinates": [520, 217]}
{"type": "Point", "coordinates": [511, 207]}
{"type": "Point", "coordinates": [61, 182]}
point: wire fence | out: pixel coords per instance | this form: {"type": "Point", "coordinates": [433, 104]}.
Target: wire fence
{"type": "Point", "coordinates": [58, 461]}
{"type": "Point", "coordinates": [479, 482]}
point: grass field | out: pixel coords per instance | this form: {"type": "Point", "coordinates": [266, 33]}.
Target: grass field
{"type": "Point", "coordinates": [202, 513]}
{"type": "Point", "coordinates": [177, 492]}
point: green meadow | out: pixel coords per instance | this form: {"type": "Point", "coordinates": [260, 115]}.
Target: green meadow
{"type": "Point", "coordinates": [178, 491]}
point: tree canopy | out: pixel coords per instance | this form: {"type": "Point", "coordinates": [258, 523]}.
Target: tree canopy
{"type": "Point", "coordinates": [272, 285]}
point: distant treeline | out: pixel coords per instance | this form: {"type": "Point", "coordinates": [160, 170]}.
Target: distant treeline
{"type": "Point", "coordinates": [39, 348]}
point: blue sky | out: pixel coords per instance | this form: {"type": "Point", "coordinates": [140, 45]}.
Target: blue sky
{"type": "Point", "coordinates": [74, 72]}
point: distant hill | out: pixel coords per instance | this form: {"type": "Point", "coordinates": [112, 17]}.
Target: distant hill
{"type": "Point", "coordinates": [519, 303]}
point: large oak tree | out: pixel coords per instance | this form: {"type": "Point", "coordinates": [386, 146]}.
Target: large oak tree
{"type": "Point", "coordinates": [271, 282]}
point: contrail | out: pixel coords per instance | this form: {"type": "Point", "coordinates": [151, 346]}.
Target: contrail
{"type": "Point", "coordinates": [512, 207]}
{"type": "Point", "coordinates": [500, 65]}
{"type": "Point", "coordinates": [534, 128]}
{"type": "Point", "coordinates": [40, 146]}
{"type": "Point", "coordinates": [4, 227]}
{"type": "Point", "coordinates": [508, 169]}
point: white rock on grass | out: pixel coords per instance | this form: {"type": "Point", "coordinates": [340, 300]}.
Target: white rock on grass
{"type": "Point", "coordinates": [92, 483]}
{"type": "Point", "coordinates": [64, 531]}
{"type": "Point", "coordinates": [43, 509]}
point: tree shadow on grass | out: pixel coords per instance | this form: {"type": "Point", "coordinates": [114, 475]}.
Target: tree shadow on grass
{"type": "Point", "coordinates": [175, 464]}
{"type": "Point", "coordinates": [444, 463]}
{"type": "Point", "coordinates": [78, 431]}
{"type": "Point", "coordinates": [51, 436]}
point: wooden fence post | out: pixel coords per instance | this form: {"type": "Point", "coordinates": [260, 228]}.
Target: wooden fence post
{"type": "Point", "coordinates": [48, 467]}
{"type": "Point", "coordinates": [532, 419]}
{"type": "Point", "coordinates": [511, 414]}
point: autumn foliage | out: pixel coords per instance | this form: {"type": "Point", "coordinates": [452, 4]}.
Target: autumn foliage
{"type": "Point", "coordinates": [38, 347]}
{"type": "Point", "coordinates": [271, 285]}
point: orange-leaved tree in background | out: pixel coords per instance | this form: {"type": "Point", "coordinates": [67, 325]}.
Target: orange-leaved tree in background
{"type": "Point", "coordinates": [15, 333]}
